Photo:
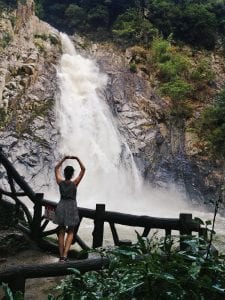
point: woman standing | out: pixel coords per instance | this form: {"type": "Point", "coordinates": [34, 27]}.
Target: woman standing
{"type": "Point", "coordinates": [66, 214]}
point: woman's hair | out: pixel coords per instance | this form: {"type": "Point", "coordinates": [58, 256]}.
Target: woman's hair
{"type": "Point", "coordinates": [68, 172]}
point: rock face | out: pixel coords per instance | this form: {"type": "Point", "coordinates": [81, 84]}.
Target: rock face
{"type": "Point", "coordinates": [12, 242]}
{"type": "Point", "coordinates": [28, 88]}
{"type": "Point", "coordinates": [165, 151]}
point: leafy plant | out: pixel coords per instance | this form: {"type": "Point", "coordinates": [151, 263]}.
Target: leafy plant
{"type": "Point", "coordinates": [152, 269]}
{"type": "Point", "coordinates": [5, 39]}
{"type": "Point", "coordinates": [9, 295]}
{"type": "Point", "coordinates": [211, 125]}
{"type": "Point", "coordinates": [133, 68]}
{"type": "Point", "coordinates": [177, 90]}
{"type": "Point", "coordinates": [133, 28]}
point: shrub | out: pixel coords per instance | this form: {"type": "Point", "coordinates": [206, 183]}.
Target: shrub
{"type": "Point", "coordinates": [133, 67]}
{"type": "Point", "coordinates": [211, 125]}
{"type": "Point", "coordinates": [161, 50]}
{"type": "Point", "coordinates": [202, 72]}
{"type": "Point", "coordinates": [176, 66]}
{"type": "Point", "coordinates": [177, 90]}
{"type": "Point", "coordinates": [152, 269]}
{"type": "Point", "coordinates": [5, 39]}
{"type": "Point", "coordinates": [131, 27]}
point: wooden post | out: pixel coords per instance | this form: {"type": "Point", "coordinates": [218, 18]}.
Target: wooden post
{"type": "Point", "coordinates": [98, 225]}
{"type": "Point", "coordinates": [36, 223]}
{"type": "Point", "coordinates": [17, 284]}
{"type": "Point", "coordinates": [114, 234]}
{"type": "Point", "coordinates": [185, 222]}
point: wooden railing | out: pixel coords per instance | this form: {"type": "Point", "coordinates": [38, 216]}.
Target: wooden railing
{"type": "Point", "coordinates": [36, 226]}
{"type": "Point", "coordinates": [36, 223]}
{"type": "Point", "coordinates": [16, 277]}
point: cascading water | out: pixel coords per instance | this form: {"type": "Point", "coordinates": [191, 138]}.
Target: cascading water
{"type": "Point", "coordinates": [89, 131]}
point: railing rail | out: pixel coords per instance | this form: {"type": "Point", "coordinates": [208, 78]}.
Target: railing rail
{"type": "Point", "coordinates": [37, 223]}
{"type": "Point", "coordinates": [16, 277]}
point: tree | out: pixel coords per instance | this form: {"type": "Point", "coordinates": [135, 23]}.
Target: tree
{"type": "Point", "coordinates": [98, 16]}
{"type": "Point", "coordinates": [133, 28]}
{"type": "Point", "coordinates": [198, 26]}
{"type": "Point", "coordinates": [76, 16]}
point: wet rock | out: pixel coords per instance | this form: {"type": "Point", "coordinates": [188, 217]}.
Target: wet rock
{"type": "Point", "coordinates": [12, 242]}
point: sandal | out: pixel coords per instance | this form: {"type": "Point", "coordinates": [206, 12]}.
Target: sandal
{"type": "Point", "coordinates": [63, 259]}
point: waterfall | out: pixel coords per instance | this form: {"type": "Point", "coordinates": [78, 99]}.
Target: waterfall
{"type": "Point", "coordinates": [88, 130]}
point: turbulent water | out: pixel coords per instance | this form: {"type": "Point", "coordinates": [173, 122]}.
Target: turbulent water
{"type": "Point", "coordinates": [89, 131]}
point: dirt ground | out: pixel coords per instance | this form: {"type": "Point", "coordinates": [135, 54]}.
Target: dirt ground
{"type": "Point", "coordinates": [38, 288]}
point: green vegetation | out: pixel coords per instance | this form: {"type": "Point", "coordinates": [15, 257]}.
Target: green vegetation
{"type": "Point", "coordinates": [179, 74]}
{"type": "Point", "coordinates": [133, 68]}
{"type": "Point", "coordinates": [8, 4]}
{"type": "Point", "coordinates": [211, 125]}
{"type": "Point", "coordinates": [5, 39]}
{"type": "Point", "coordinates": [152, 269]}
{"type": "Point", "coordinates": [198, 23]}
{"type": "Point", "coordinates": [132, 28]}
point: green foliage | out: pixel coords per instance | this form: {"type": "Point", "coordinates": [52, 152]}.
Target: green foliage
{"type": "Point", "coordinates": [9, 295]}
{"type": "Point", "coordinates": [39, 9]}
{"type": "Point", "coordinates": [8, 4]}
{"type": "Point", "coordinates": [3, 117]}
{"type": "Point", "coordinates": [202, 72]}
{"type": "Point", "coordinates": [133, 28]}
{"type": "Point", "coordinates": [161, 49]}
{"type": "Point", "coordinates": [177, 89]}
{"type": "Point", "coordinates": [98, 16]}
{"type": "Point", "coordinates": [211, 125]}
{"type": "Point", "coordinates": [175, 66]}
{"type": "Point", "coordinates": [76, 15]}
{"type": "Point", "coordinates": [5, 39]}
{"type": "Point", "coordinates": [23, 2]}
{"type": "Point", "coordinates": [198, 23]}
{"type": "Point", "coordinates": [151, 269]}
{"type": "Point", "coordinates": [133, 68]}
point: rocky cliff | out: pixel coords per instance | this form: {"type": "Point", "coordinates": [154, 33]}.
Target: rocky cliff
{"type": "Point", "coordinates": [164, 149]}
{"type": "Point", "coordinates": [29, 53]}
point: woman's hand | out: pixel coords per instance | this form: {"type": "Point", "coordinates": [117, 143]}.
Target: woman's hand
{"type": "Point", "coordinates": [73, 157]}
{"type": "Point", "coordinates": [67, 157]}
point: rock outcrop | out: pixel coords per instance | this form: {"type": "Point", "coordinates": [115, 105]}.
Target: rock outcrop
{"type": "Point", "coordinates": [164, 149]}
{"type": "Point", "coordinates": [28, 88]}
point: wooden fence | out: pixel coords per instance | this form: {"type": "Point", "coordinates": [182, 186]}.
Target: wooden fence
{"type": "Point", "coordinates": [36, 226]}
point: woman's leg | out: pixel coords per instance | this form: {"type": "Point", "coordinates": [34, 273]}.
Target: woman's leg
{"type": "Point", "coordinates": [61, 238]}
{"type": "Point", "coordinates": [69, 240]}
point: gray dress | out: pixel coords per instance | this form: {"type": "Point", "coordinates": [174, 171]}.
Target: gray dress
{"type": "Point", "coordinates": [67, 212]}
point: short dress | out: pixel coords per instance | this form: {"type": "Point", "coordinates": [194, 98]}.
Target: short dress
{"type": "Point", "coordinates": [66, 211]}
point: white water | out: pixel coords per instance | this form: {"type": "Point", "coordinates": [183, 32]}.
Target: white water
{"type": "Point", "coordinates": [89, 131]}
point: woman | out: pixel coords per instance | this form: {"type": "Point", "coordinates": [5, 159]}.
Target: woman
{"type": "Point", "coordinates": [66, 214]}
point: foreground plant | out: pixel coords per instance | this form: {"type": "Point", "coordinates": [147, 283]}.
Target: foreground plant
{"type": "Point", "coordinates": [152, 269]}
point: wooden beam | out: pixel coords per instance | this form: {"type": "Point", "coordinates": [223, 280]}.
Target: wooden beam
{"type": "Point", "coordinates": [133, 220]}
{"type": "Point", "coordinates": [16, 276]}
{"type": "Point", "coordinates": [16, 176]}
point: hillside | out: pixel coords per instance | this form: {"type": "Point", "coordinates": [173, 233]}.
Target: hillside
{"type": "Point", "coordinates": [159, 88]}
